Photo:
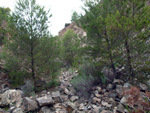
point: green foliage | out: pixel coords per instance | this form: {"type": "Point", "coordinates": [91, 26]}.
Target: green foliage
{"type": "Point", "coordinates": [70, 48]}
{"type": "Point", "coordinates": [17, 78]}
{"type": "Point", "coordinates": [117, 33]}
{"type": "Point", "coordinates": [52, 83]}
{"type": "Point", "coordinates": [83, 85]}
{"type": "Point", "coordinates": [75, 17]}
{"type": "Point", "coordinates": [31, 49]}
{"type": "Point", "coordinates": [4, 17]}
{"type": "Point", "coordinates": [89, 74]}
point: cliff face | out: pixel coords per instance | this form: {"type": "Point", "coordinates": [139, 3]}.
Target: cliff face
{"type": "Point", "coordinates": [79, 31]}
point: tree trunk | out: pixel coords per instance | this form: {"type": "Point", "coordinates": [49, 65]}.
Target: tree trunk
{"type": "Point", "coordinates": [130, 69]}
{"type": "Point", "coordinates": [32, 64]}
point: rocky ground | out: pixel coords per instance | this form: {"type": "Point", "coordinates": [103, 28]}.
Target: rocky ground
{"type": "Point", "coordinates": [64, 99]}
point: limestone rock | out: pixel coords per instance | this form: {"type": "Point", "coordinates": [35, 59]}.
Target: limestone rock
{"type": "Point", "coordinates": [11, 97]}
{"type": "Point", "coordinates": [46, 100]}
{"type": "Point", "coordinates": [28, 104]}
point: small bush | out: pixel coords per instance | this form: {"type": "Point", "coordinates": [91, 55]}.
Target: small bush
{"type": "Point", "coordinates": [28, 88]}
{"type": "Point", "coordinates": [89, 75]}
{"type": "Point", "coordinates": [52, 83]}
{"type": "Point", "coordinates": [83, 85]}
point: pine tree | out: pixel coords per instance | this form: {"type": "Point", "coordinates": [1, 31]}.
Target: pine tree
{"type": "Point", "coordinates": [25, 52]}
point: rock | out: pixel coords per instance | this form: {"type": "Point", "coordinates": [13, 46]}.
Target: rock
{"type": "Point", "coordinates": [118, 81]}
{"type": "Point", "coordinates": [96, 100]}
{"type": "Point", "coordinates": [66, 91]}
{"type": "Point", "coordinates": [127, 85]}
{"type": "Point", "coordinates": [45, 109]}
{"type": "Point", "coordinates": [104, 111]}
{"type": "Point", "coordinates": [99, 88]}
{"type": "Point", "coordinates": [81, 107]}
{"type": "Point", "coordinates": [58, 106]}
{"type": "Point", "coordinates": [18, 110]}
{"type": "Point", "coordinates": [46, 100]}
{"type": "Point", "coordinates": [98, 95]}
{"type": "Point", "coordinates": [61, 111]}
{"type": "Point", "coordinates": [28, 104]}
{"type": "Point", "coordinates": [120, 108]}
{"type": "Point", "coordinates": [2, 111]}
{"type": "Point", "coordinates": [112, 102]}
{"type": "Point", "coordinates": [106, 104]}
{"type": "Point", "coordinates": [74, 98]}
{"type": "Point", "coordinates": [70, 107]}
{"type": "Point", "coordinates": [148, 82]}
{"type": "Point", "coordinates": [123, 100]}
{"type": "Point", "coordinates": [56, 94]}
{"type": "Point", "coordinates": [109, 87]}
{"type": "Point", "coordinates": [143, 87]}
{"type": "Point", "coordinates": [96, 109]}
{"type": "Point", "coordinates": [11, 98]}
{"type": "Point", "coordinates": [112, 94]}
{"type": "Point", "coordinates": [64, 97]}
{"type": "Point", "coordinates": [119, 89]}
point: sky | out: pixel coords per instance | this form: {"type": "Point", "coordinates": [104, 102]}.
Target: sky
{"type": "Point", "coordinates": [61, 11]}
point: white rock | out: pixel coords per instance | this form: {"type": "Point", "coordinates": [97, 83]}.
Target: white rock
{"type": "Point", "coordinates": [11, 97]}
{"type": "Point", "coordinates": [123, 100]}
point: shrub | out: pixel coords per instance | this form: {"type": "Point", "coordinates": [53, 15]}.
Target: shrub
{"type": "Point", "coordinates": [83, 85]}
{"type": "Point", "coordinates": [52, 83]}
{"type": "Point", "coordinates": [89, 74]}
{"type": "Point", "coordinates": [28, 88]}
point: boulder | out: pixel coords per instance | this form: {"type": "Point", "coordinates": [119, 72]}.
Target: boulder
{"type": "Point", "coordinates": [28, 104]}
{"type": "Point", "coordinates": [46, 100]}
{"type": "Point", "coordinates": [11, 98]}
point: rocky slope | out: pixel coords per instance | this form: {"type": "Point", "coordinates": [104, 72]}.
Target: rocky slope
{"type": "Point", "coordinates": [64, 99]}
